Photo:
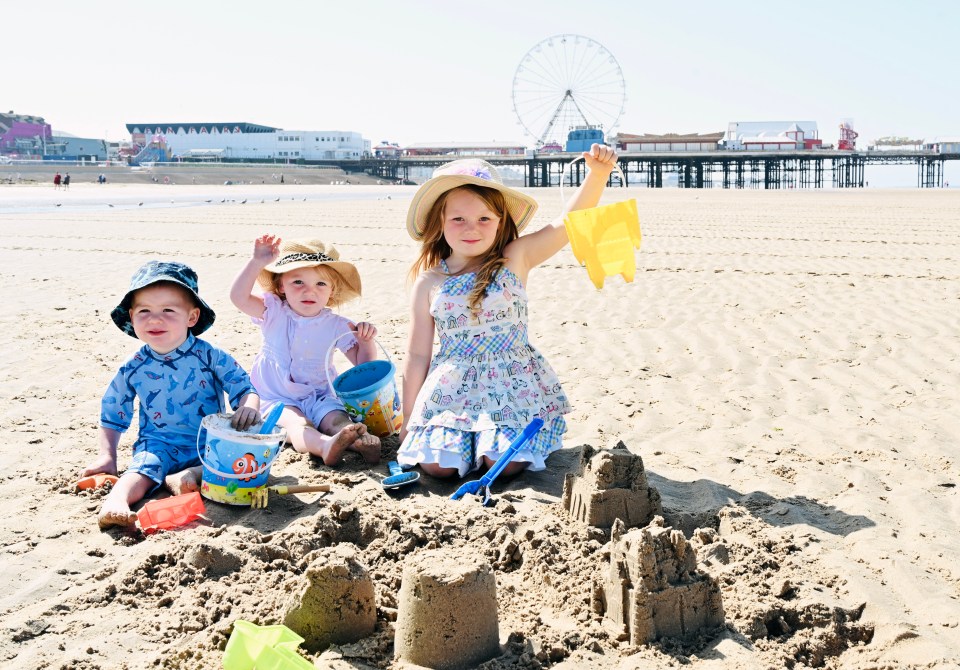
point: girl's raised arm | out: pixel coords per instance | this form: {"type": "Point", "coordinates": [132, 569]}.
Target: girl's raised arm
{"type": "Point", "coordinates": [265, 250]}
{"type": "Point", "coordinates": [529, 251]}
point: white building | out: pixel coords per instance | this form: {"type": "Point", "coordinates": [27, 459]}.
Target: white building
{"type": "Point", "coordinates": [771, 135]}
{"type": "Point", "coordinates": [249, 141]}
{"type": "Point", "coordinates": [944, 145]}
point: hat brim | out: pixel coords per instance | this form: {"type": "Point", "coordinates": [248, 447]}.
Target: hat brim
{"type": "Point", "coordinates": [521, 207]}
{"type": "Point", "coordinates": [351, 289]}
{"type": "Point", "coordinates": [121, 313]}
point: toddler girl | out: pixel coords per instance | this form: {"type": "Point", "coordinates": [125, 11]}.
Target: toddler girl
{"type": "Point", "coordinates": [301, 281]}
{"type": "Point", "coordinates": [465, 404]}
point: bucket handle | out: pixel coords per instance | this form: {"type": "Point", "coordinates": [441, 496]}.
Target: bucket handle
{"type": "Point", "coordinates": [231, 475]}
{"type": "Point", "coordinates": [566, 166]}
{"type": "Point", "coordinates": [326, 359]}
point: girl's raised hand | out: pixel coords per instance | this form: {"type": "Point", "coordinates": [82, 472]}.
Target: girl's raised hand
{"type": "Point", "coordinates": [266, 248]}
{"type": "Point", "coordinates": [600, 157]}
{"type": "Point", "coordinates": [365, 331]}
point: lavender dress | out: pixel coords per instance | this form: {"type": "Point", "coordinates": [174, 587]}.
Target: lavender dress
{"type": "Point", "coordinates": [292, 367]}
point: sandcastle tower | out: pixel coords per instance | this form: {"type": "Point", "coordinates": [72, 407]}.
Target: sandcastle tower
{"type": "Point", "coordinates": [652, 588]}
{"type": "Point", "coordinates": [447, 612]}
{"type": "Point", "coordinates": [610, 484]}
{"type": "Point", "coordinates": [334, 603]}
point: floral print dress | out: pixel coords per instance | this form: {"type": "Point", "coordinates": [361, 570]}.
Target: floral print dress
{"type": "Point", "coordinates": [486, 383]}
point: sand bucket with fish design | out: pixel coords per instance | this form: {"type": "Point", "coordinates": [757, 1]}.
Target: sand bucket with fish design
{"type": "Point", "coordinates": [235, 463]}
{"type": "Point", "coordinates": [369, 393]}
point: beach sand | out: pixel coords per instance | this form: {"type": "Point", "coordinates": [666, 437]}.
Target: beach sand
{"type": "Point", "coordinates": [785, 363]}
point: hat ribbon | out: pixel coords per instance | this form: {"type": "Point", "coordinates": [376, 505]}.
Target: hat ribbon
{"type": "Point", "coordinates": [319, 257]}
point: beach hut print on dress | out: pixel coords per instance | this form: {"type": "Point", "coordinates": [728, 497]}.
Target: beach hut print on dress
{"type": "Point", "coordinates": [471, 375]}
{"type": "Point", "coordinates": [514, 368]}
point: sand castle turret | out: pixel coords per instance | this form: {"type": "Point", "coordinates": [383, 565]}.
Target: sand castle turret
{"type": "Point", "coordinates": [447, 612]}
{"type": "Point", "coordinates": [652, 588]}
{"type": "Point", "coordinates": [334, 603]}
{"type": "Point", "coordinates": [610, 484]}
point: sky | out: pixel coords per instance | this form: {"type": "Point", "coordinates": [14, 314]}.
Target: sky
{"type": "Point", "coordinates": [430, 71]}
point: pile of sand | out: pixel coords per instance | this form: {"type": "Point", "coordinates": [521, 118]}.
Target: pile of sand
{"type": "Point", "coordinates": [785, 364]}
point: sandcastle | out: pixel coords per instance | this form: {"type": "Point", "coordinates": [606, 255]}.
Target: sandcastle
{"type": "Point", "coordinates": [447, 612]}
{"type": "Point", "coordinates": [334, 603]}
{"type": "Point", "coordinates": [652, 588]}
{"type": "Point", "coordinates": [611, 484]}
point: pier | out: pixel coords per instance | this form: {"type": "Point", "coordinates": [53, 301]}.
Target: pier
{"type": "Point", "coordinates": [816, 168]}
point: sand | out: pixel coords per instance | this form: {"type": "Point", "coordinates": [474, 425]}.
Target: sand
{"type": "Point", "coordinates": [786, 364]}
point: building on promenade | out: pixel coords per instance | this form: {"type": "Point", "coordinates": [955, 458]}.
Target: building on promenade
{"type": "Point", "coordinates": [28, 137]}
{"type": "Point", "coordinates": [24, 136]}
{"type": "Point", "coordinates": [627, 143]}
{"type": "Point", "coordinates": [231, 140]}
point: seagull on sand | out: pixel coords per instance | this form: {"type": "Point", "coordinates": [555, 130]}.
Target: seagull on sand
{"type": "Point", "coordinates": [243, 202]}
{"type": "Point", "coordinates": [109, 205]}
{"type": "Point", "coordinates": [139, 204]}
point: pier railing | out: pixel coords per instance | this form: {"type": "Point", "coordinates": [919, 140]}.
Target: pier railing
{"type": "Point", "coordinates": [815, 168]}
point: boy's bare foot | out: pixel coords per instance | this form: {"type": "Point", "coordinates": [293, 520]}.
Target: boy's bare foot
{"type": "Point", "coordinates": [368, 446]}
{"type": "Point", "coordinates": [185, 481]}
{"type": "Point", "coordinates": [115, 513]}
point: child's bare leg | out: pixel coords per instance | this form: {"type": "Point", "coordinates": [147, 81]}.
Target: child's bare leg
{"type": "Point", "coordinates": [510, 469]}
{"type": "Point", "coordinates": [434, 470]}
{"type": "Point", "coordinates": [130, 488]}
{"type": "Point", "coordinates": [366, 445]}
{"type": "Point", "coordinates": [185, 481]}
{"type": "Point", "coordinates": [308, 440]}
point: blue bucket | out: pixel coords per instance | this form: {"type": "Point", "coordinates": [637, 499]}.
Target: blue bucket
{"type": "Point", "coordinates": [235, 463]}
{"type": "Point", "coordinates": [369, 394]}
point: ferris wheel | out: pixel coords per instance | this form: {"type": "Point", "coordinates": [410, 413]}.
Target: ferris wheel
{"type": "Point", "coordinates": [567, 81]}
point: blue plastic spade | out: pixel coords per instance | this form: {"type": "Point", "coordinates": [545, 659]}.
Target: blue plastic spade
{"type": "Point", "coordinates": [270, 422]}
{"type": "Point", "coordinates": [483, 484]}
{"type": "Point", "coordinates": [398, 477]}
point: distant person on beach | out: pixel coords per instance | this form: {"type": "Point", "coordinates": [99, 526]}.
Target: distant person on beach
{"type": "Point", "coordinates": [464, 404]}
{"type": "Point", "coordinates": [56, 181]}
{"type": "Point", "coordinates": [177, 378]}
{"type": "Point", "coordinates": [281, 179]}
{"type": "Point", "coordinates": [301, 281]}
{"type": "Point", "coordinates": [66, 181]}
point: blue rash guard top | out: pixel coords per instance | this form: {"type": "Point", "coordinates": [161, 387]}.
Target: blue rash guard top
{"type": "Point", "coordinates": [175, 391]}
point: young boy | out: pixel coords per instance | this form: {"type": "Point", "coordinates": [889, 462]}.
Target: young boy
{"type": "Point", "coordinates": [177, 378]}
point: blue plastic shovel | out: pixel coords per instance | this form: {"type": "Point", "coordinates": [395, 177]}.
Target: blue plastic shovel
{"type": "Point", "coordinates": [270, 422]}
{"type": "Point", "coordinates": [483, 484]}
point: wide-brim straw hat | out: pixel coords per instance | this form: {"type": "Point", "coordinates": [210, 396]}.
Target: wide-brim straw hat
{"type": "Point", "coordinates": [460, 173]}
{"type": "Point", "coordinates": [163, 271]}
{"type": "Point", "coordinates": [309, 254]}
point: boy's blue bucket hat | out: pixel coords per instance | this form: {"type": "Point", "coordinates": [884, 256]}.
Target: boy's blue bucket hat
{"type": "Point", "coordinates": [159, 271]}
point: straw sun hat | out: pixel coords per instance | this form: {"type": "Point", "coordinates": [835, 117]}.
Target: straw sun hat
{"type": "Point", "coordinates": [460, 173]}
{"type": "Point", "coordinates": [309, 254]}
